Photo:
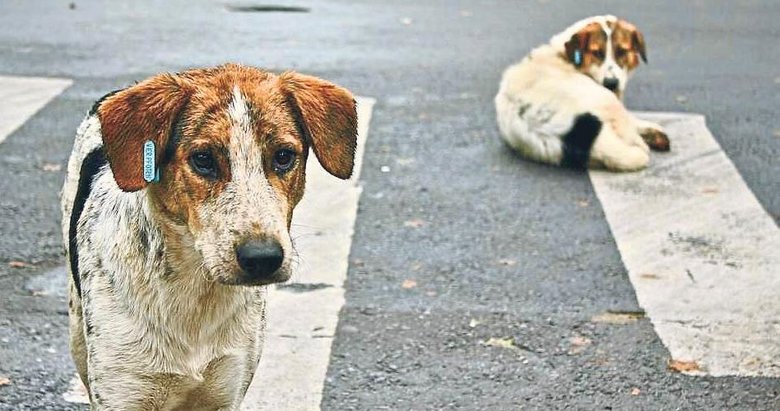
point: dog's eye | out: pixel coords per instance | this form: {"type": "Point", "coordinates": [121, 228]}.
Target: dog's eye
{"type": "Point", "coordinates": [284, 160]}
{"type": "Point", "coordinates": [598, 54]}
{"type": "Point", "coordinates": [620, 53]}
{"type": "Point", "coordinates": [203, 163]}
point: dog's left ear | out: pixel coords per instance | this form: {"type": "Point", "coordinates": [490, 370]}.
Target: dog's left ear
{"type": "Point", "coordinates": [327, 115]}
{"type": "Point", "coordinates": [130, 117]}
{"type": "Point", "coordinates": [575, 46]}
{"type": "Point", "coordinates": [638, 40]}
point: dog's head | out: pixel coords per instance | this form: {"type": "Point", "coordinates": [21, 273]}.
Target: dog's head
{"type": "Point", "coordinates": [232, 144]}
{"type": "Point", "coordinates": [606, 49]}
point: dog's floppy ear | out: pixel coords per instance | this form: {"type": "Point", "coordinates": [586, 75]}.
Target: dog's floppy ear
{"type": "Point", "coordinates": [327, 116]}
{"type": "Point", "coordinates": [576, 46]}
{"type": "Point", "coordinates": [130, 117]}
{"type": "Point", "coordinates": [629, 31]}
{"type": "Point", "coordinates": [638, 40]}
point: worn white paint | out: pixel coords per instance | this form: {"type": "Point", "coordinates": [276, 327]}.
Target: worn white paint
{"type": "Point", "coordinates": [21, 97]}
{"type": "Point", "coordinates": [301, 324]}
{"type": "Point", "coordinates": [77, 392]}
{"type": "Point", "coordinates": [701, 252]}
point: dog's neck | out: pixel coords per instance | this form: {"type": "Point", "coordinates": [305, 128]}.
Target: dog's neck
{"type": "Point", "coordinates": [552, 56]}
{"type": "Point", "coordinates": [180, 306]}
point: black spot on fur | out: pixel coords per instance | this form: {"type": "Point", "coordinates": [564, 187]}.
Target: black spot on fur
{"type": "Point", "coordinates": [89, 328]}
{"type": "Point", "coordinates": [143, 239]}
{"type": "Point", "coordinates": [578, 141]}
{"type": "Point", "coordinates": [89, 168]}
{"type": "Point", "coordinates": [523, 108]}
{"type": "Point", "coordinates": [174, 138]}
{"type": "Point", "coordinates": [95, 396]}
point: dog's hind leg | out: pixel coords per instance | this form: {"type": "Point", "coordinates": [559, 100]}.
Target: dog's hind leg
{"type": "Point", "coordinates": [78, 345]}
{"type": "Point", "coordinates": [614, 153]}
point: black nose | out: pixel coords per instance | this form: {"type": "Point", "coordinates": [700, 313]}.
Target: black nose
{"type": "Point", "coordinates": [611, 83]}
{"type": "Point", "coordinates": [260, 258]}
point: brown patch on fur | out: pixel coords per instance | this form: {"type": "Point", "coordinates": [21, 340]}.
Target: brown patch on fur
{"type": "Point", "coordinates": [287, 112]}
{"type": "Point", "coordinates": [327, 115]}
{"type": "Point", "coordinates": [277, 129]}
{"type": "Point", "coordinates": [128, 118]}
{"type": "Point", "coordinates": [206, 126]}
{"type": "Point", "coordinates": [628, 44]}
{"type": "Point", "coordinates": [591, 41]}
{"type": "Point", "coordinates": [203, 125]}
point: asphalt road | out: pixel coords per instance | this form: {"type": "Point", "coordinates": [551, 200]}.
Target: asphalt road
{"type": "Point", "coordinates": [499, 248]}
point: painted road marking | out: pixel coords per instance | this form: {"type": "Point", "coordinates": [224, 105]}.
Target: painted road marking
{"type": "Point", "coordinates": [77, 392]}
{"type": "Point", "coordinates": [701, 252]}
{"type": "Point", "coordinates": [21, 97]}
{"type": "Point", "coordinates": [302, 316]}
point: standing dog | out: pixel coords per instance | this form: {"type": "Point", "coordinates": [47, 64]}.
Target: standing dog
{"type": "Point", "coordinates": [177, 204]}
{"type": "Point", "coordinates": [562, 104]}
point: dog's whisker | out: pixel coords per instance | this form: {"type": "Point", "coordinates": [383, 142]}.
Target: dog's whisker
{"type": "Point", "coordinates": [314, 227]}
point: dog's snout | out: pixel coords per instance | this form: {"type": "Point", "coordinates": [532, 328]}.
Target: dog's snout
{"type": "Point", "coordinates": [611, 83]}
{"type": "Point", "coordinates": [260, 259]}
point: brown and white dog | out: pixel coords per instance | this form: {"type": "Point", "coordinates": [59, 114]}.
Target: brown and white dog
{"type": "Point", "coordinates": [562, 104]}
{"type": "Point", "coordinates": [165, 312]}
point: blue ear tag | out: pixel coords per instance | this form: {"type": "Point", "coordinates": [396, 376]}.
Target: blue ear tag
{"type": "Point", "coordinates": [151, 173]}
{"type": "Point", "coordinates": [577, 57]}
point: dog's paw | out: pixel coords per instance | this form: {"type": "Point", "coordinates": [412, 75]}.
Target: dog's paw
{"type": "Point", "coordinates": [656, 139]}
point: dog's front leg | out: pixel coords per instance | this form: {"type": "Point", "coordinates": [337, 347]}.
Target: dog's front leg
{"type": "Point", "coordinates": [122, 390]}
{"type": "Point", "coordinates": [653, 134]}
{"type": "Point", "coordinates": [116, 371]}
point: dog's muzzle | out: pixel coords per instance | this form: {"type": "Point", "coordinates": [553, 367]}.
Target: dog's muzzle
{"type": "Point", "coordinates": [260, 260]}
{"type": "Point", "coordinates": [611, 83]}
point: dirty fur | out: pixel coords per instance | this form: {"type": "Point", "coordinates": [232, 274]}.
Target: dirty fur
{"type": "Point", "coordinates": [162, 317]}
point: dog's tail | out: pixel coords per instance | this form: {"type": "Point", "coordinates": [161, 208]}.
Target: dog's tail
{"type": "Point", "coordinates": [578, 141]}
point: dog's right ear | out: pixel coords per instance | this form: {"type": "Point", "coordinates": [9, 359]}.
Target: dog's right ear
{"type": "Point", "coordinates": [130, 117]}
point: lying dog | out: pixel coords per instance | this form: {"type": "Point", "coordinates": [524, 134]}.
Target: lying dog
{"type": "Point", "coordinates": [562, 104]}
{"type": "Point", "coordinates": [177, 203]}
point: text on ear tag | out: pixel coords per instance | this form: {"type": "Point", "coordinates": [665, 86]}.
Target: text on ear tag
{"type": "Point", "coordinates": [577, 57]}
{"type": "Point", "coordinates": [151, 173]}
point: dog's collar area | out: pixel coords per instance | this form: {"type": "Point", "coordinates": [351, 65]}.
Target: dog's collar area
{"type": "Point", "coordinates": [151, 172]}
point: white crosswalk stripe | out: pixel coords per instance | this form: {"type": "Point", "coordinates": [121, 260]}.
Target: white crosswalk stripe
{"type": "Point", "coordinates": [21, 97]}
{"type": "Point", "coordinates": [701, 252]}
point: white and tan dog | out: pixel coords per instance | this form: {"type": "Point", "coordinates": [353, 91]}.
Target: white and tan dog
{"type": "Point", "coordinates": [562, 104]}
{"type": "Point", "coordinates": [165, 312]}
